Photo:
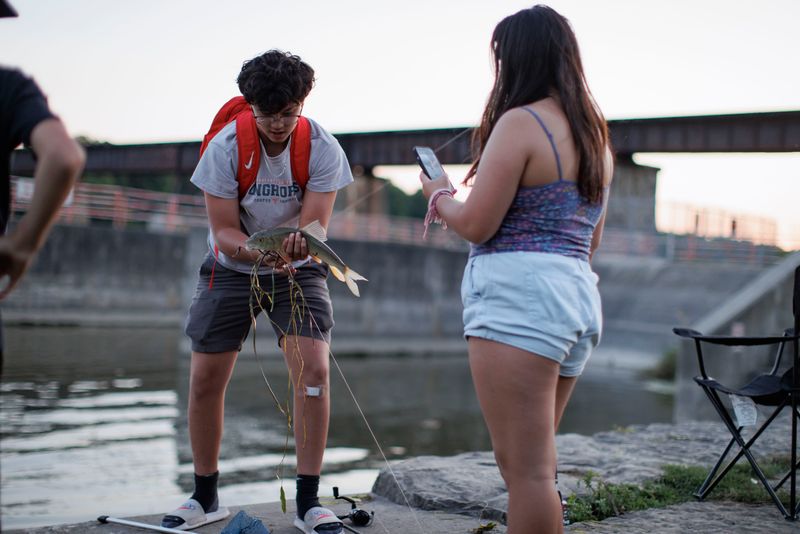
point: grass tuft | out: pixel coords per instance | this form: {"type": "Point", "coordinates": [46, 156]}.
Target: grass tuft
{"type": "Point", "coordinates": [676, 485]}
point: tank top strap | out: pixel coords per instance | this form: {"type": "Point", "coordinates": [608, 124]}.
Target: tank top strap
{"type": "Point", "coordinates": [550, 138]}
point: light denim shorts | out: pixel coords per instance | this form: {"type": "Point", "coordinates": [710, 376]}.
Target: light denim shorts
{"type": "Point", "coordinates": [547, 304]}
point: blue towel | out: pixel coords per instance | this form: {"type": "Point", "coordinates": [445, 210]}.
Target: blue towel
{"type": "Point", "coordinates": [244, 524]}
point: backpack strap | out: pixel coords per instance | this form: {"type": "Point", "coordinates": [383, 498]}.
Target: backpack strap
{"type": "Point", "coordinates": [300, 155]}
{"type": "Point", "coordinates": [249, 150]}
{"type": "Point", "coordinates": [226, 114]}
{"type": "Point", "coordinates": [249, 143]}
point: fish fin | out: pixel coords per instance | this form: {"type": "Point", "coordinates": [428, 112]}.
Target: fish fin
{"type": "Point", "coordinates": [351, 285]}
{"type": "Point", "coordinates": [337, 273]}
{"type": "Point", "coordinates": [350, 279]}
{"type": "Point", "coordinates": [315, 258]}
{"type": "Point", "coordinates": [351, 274]}
{"type": "Point", "coordinates": [315, 230]}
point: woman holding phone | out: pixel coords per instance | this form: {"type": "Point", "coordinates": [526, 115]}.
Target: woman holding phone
{"type": "Point", "coordinates": [534, 218]}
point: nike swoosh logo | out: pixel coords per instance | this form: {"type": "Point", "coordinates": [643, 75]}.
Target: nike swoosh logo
{"type": "Point", "coordinates": [249, 163]}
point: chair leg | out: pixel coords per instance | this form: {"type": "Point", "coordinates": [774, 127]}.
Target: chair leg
{"type": "Point", "coordinates": [786, 477]}
{"type": "Point", "coordinates": [744, 449]}
{"type": "Point", "coordinates": [735, 432]}
{"type": "Point", "coordinates": [796, 465]}
{"type": "Point", "coordinates": [703, 490]}
{"type": "Point", "coordinates": [793, 488]}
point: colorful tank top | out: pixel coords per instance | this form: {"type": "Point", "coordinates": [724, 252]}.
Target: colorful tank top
{"type": "Point", "coordinates": [551, 218]}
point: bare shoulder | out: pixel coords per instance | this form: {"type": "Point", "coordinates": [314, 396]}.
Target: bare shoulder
{"type": "Point", "coordinates": [510, 133]}
{"type": "Point", "coordinates": [519, 127]}
{"type": "Point", "coordinates": [609, 167]}
{"type": "Point", "coordinates": [552, 117]}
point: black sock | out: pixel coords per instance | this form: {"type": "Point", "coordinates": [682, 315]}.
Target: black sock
{"type": "Point", "coordinates": [307, 488]}
{"type": "Point", "coordinates": [205, 491]}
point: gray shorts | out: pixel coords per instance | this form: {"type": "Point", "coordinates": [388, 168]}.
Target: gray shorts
{"type": "Point", "coordinates": [219, 317]}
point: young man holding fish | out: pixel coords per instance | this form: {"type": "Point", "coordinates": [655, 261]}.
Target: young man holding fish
{"type": "Point", "coordinates": [275, 84]}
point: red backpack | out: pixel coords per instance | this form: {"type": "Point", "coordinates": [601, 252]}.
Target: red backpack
{"type": "Point", "coordinates": [247, 139]}
{"type": "Point", "coordinates": [248, 142]}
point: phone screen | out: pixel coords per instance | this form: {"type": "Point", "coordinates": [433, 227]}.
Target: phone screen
{"type": "Point", "coordinates": [428, 161]}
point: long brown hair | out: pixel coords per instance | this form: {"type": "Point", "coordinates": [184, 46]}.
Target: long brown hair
{"type": "Point", "coordinates": [536, 52]}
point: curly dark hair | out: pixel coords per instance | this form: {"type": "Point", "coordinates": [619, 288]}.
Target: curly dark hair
{"type": "Point", "coordinates": [275, 80]}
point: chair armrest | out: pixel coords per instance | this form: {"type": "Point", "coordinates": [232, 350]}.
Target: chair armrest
{"type": "Point", "coordinates": [734, 341]}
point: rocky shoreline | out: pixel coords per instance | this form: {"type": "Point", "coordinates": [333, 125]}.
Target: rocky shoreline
{"type": "Point", "coordinates": [470, 483]}
{"type": "Point", "coordinates": [458, 494]}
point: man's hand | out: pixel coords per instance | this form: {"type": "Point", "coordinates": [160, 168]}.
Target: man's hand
{"type": "Point", "coordinates": [295, 247]}
{"type": "Point", "coordinates": [59, 162]}
{"type": "Point", "coordinates": [14, 261]}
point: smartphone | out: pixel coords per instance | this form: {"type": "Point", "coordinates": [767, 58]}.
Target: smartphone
{"type": "Point", "coordinates": [427, 160]}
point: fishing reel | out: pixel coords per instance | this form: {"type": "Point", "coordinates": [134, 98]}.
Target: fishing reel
{"type": "Point", "coordinates": [360, 518]}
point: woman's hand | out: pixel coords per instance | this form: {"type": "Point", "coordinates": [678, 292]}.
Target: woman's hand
{"type": "Point", "coordinates": [429, 186]}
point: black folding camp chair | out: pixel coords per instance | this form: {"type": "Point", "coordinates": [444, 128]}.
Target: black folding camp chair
{"type": "Point", "coordinates": [774, 389]}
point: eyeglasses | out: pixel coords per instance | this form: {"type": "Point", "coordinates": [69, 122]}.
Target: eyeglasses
{"type": "Point", "coordinates": [283, 118]}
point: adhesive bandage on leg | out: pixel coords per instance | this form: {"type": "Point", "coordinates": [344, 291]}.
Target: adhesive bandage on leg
{"type": "Point", "coordinates": [314, 391]}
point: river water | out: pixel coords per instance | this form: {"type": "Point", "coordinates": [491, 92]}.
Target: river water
{"type": "Point", "coordinates": [93, 421]}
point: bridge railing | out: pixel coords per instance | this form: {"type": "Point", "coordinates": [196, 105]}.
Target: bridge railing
{"type": "Point", "coordinates": [121, 206]}
{"type": "Point", "coordinates": [168, 212]}
{"type": "Point", "coordinates": [686, 248]}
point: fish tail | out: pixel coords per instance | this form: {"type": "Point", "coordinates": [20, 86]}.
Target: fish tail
{"type": "Point", "coordinates": [350, 279]}
{"type": "Point", "coordinates": [351, 274]}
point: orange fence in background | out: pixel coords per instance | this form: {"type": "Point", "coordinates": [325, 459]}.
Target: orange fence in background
{"type": "Point", "coordinates": [715, 222]}
{"type": "Point", "coordinates": [122, 206]}
{"type": "Point", "coordinates": [168, 212]}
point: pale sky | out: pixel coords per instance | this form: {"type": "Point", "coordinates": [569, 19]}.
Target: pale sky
{"type": "Point", "coordinates": [157, 70]}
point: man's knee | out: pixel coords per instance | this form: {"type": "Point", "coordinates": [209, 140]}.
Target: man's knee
{"type": "Point", "coordinates": [315, 391]}
{"type": "Point", "coordinates": [205, 386]}
{"type": "Point", "coordinates": [312, 372]}
{"type": "Point", "coordinates": [207, 380]}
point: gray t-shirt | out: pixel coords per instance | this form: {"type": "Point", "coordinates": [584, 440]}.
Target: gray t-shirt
{"type": "Point", "coordinates": [275, 199]}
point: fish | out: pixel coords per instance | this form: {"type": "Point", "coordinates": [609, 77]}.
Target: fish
{"type": "Point", "coordinates": [272, 240]}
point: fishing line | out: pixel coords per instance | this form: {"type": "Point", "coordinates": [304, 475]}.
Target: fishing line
{"type": "Point", "coordinates": [255, 284]}
{"type": "Point", "coordinates": [377, 443]}
{"type": "Point", "coordinates": [351, 206]}
{"type": "Point", "coordinates": [313, 324]}
{"type": "Point", "coordinates": [362, 198]}
{"type": "Point", "coordinates": [255, 287]}
{"type": "Point", "coordinates": [462, 132]}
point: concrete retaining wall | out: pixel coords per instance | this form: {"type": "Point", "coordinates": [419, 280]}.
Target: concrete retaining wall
{"type": "Point", "coordinates": [101, 274]}
{"type": "Point", "coordinates": [103, 269]}
{"type": "Point", "coordinates": [97, 275]}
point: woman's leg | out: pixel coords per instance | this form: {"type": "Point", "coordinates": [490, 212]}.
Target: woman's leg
{"type": "Point", "coordinates": [566, 384]}
{"type": "Point", "coordinates": [208, 381]}
{"type": "Point", "coordinates": [517, 393]}
{"type": "Point", "coordinates": [307, 359]}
